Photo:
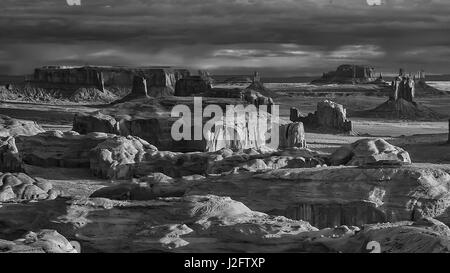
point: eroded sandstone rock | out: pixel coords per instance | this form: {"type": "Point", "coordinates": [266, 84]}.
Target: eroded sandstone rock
{"type": "Point", "coordinates": [95, 122]}
{"type": "Point", "coordinates": [334, 196]}
{"type": "Point", "coordinates": [15, 127]}
{"type": "Point", "coordinates": [370, 151]}
{"type": "Point", "coordinates": [20, 187]}
{"type": "Point", "coordinates": [10, 160]}
{"type": "Point", "coordinates": [58, 149]}
{"type": "Point", "coordinates": [43, 241]}
{"type": "Point", "coordinates": [114, 157]}
{"type": "Point", "coordinates": [329, 116]}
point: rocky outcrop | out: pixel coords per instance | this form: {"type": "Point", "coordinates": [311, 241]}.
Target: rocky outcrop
{"type": "Point", "coordinates": [58, 149]}
{"type": "Point", "coordinates": [348, 74]}
{"type": "Point", "coordinates": [43, 241]}
{"type": "Point", "coordinates": [115, 157]}
{"type": "Point", "coordinates": [329, 116]}
{"type": "Point", "coordinates": [186, 223]}
{"type": "Point", "coordinates": [20, 187]}
{"type": "Point", "coordinates": [150, 187]}
{"type": "Point", "coordinates": [95, 122]}
{"type": "Point", "coordinates": [370, 152]}
{"type": "Point", "coordinates": [190, 223]}
{"type": "Point", "coordinates": [15, 127]}
{"type": "Point", "coordinates": [10, 160]}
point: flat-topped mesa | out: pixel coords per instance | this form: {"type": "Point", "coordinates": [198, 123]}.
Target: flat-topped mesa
{"type": "Point", "coordinates": [160, 80]}
{"type": "Point", "coordinates": [349, 74]}
{"type": "Point", "coordinates": [329, 116]}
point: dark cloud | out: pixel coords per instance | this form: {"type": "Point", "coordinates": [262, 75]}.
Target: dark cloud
{"type": "Point", "coordinates": [277, 36]}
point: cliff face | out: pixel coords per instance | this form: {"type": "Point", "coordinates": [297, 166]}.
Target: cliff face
{"type": "Point", "coordinates": [109, 76]}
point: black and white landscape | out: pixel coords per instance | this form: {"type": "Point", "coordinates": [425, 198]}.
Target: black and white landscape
{"type": "Point", "coordinates": [355, 95]}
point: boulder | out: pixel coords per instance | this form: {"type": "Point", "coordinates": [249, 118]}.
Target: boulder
{"type": "Point", "coordinates": [20, 187]}
{"type": "Point", "coordinates": [292, 135]}
{"type": "Point", "coordinates": [95, 122]}
{"type": "Point", "coordinates": [370, 151]}
{"type": "Point", "coordinates": [114, 157]}
{"type": "Point", "coordinates": [15, 127]}
{"type": "Point", "coordinates": [10, 160]}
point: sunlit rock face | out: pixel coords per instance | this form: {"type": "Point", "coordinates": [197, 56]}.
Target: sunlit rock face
{"type": "Point", "coordinates": [15, 127]}
{"type": "Point", "coordinates": [370, 152]}
{"type": "Point", "coordinates": [329, 116]}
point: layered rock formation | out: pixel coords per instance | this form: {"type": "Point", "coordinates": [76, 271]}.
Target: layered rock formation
{"type": "Point", "coordinates": [328, 197]}
{"type": "Point", "coordinates": [370, 152]}
{"type": "Point", "coordinates": [108, 76]}
{"type": "Point", "coordinates": [150, 119]}
{"type": "Point", "coordinates": [347, 73]}
{"type": "Point", "coordinates": [329, 116]}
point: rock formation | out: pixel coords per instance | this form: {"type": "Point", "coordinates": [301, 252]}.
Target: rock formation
{"type": "Point", "coordinates": [328, 197]}
{"type": "Point", "coordinates": [401, 104]}
{"type": "Point", "coordinates": [114, 158]}
{"type": "Point", "coordinates": [329, 116]}
{"type": "Point", "coordinates": [105, 76]}
{"type": "Point", "coordinates": [20, 187]}
{"type": "Point", "coordinates": [139, 90]}
{"type": "Point", "coordinates": [58, 149]}
{"type": "Point", "coordinates": [403, 88]}
{"type": "Point", "coordinates": [95, 122]}
{"type": "Point", "coordinates": [15, 127]}
{"type": "Point", "coordinates": [43, 241]}
{"type": "Point", "coordinates": [348, 74]}
{"type": "Point", "coordinates": [10, 160]}
{"type": "Point", "coordinates": [292, 135]}
{"type": "Point", "coordinates": [192, 85]}
{"type": "Point", "coordinates": [370, 151]}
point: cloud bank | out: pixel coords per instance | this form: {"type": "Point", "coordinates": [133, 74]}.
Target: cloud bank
{"type": "Point", "coordinates": [276, 37]}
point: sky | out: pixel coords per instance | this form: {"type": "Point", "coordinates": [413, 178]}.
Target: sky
{"type": "Point", "coordinates": [274, 37]}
